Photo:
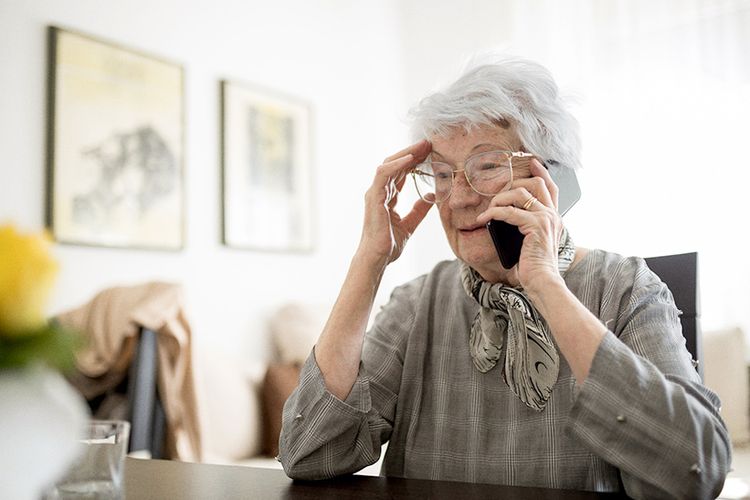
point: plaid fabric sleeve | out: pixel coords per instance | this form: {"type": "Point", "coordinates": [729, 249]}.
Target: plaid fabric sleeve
{"type": "Point", "coordinates": [323, 436]}
{"type": "Point", "coordinates": [643, 409]}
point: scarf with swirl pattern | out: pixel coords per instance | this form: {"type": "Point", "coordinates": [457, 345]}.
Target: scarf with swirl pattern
{"type": "Point", "coordinates": [508, 329]}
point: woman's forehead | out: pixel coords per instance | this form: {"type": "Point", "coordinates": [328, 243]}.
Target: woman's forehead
{"type": "Point", "coordinates": [459, 142]}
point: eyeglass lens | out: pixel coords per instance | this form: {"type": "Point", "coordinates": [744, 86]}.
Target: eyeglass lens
{"type": "Point", "coordinates": [487, 174]}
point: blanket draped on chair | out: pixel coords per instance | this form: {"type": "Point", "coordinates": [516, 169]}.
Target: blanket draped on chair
{"type": "Point", "coordinates": [110, 323]}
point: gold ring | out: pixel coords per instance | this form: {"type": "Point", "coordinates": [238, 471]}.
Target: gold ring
{"type": "Point", "coordinates": [529, 203]}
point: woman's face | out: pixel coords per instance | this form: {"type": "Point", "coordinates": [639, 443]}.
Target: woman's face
{"type": "Point", "coordinates": [470, 241]}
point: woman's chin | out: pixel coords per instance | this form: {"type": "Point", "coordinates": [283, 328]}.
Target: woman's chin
{"type": "Point", "coordinates": [481, 258]}
{"type": "Point", "coordinates": [487, 263]}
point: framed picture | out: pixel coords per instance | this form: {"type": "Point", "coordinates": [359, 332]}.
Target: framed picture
{"type": "Point", "coordinates": [114, 145]}
{"type": "Point", "coordinates": [266, 170]}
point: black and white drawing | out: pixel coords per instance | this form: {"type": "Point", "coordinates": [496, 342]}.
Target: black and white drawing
{"type": "Point", "coordinates": [115, 145]}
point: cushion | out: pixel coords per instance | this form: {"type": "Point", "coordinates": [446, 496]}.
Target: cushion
{"type": "Point", "coordinates": [281, 379]}
{"type": "Point", "coordinates": [725, 371]}
{"type": "Point", "coordinates": [230, 407]}
{"type": "Point", "coordinates": [295, 329]}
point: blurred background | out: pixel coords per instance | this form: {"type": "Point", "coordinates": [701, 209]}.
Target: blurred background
{"type": "Point", "coordinates": [661, 89]}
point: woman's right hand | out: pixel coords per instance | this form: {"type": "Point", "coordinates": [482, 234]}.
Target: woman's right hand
{"type": "Point", "coordinates": [385, 232]}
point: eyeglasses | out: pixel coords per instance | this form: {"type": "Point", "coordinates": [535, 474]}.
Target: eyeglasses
{"type": "Point", "coordinates": [487, 173]}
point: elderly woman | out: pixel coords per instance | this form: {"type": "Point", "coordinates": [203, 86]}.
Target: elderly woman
{"type": "Point", "coordinates": [568, 370]}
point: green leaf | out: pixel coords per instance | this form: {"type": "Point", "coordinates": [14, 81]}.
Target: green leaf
{"type": "Point", "coordinates": [52, 345]}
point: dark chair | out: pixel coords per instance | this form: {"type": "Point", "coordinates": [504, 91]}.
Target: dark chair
{"type": "Point", "coordinates": [680, 273]}
{"type": "Point", "coordinates": [134, 398]}
{"type": "Point", "coordinates": [146, 412]}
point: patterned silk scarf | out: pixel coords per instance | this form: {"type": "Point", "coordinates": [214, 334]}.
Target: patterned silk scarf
{"type": "Point", "coordinates": [510, 330]}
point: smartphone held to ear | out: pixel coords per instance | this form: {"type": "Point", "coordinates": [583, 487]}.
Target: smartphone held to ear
{"type": "Point", "coordinates": [508, 240]}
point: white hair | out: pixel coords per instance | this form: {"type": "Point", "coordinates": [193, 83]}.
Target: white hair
{"type": "Point", "coordinates": [514, 92]}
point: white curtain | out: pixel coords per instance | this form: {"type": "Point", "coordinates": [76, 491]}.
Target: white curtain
{"type": "Point", "coordinates": [662, 91]}
{"type": "Point", "coordinates": [665, 91]}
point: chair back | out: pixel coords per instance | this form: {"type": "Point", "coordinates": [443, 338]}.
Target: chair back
{"type": "Point", "coordinates": [680, 273]}
{"type": "Point", "coordinates": [147, 415]}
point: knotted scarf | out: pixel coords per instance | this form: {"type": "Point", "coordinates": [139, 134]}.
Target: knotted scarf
{"type": "Point", "coordinates": [508, 329]}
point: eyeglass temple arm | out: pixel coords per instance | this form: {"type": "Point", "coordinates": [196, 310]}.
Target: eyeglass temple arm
{"type": "Point", "coordinates": [415, 171]}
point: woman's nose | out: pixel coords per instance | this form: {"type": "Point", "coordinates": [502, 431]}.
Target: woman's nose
{"type": "Point", "coordinates": [462, 194]}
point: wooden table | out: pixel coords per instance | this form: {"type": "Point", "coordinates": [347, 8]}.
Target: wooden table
{"type": "Point", "coordinates": [164, 479]}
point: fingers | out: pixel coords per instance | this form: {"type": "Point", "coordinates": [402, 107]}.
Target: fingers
{"type": "Point", "coordinates": [416, 216]}
{"type": "Point", "coordinates": [521, 197]}
{"type": "Point", "coordinates": [391, 175]}
{"type": "Point", "coordinates": [387, 172]}
{"type": "Point", "coordinates": [519, 207]}
{"type": "Point", "coordinates": [522, 191]}
{"type": "Point", "coordinates": [525, 220]}
{"type": "Point", "coordinates": [419, 150]}
{"type": "Point", "coordinates": [539, 172]}
{"type": "Point", "coordinates": [400, 180]}
{"type": "Point", "coordinates": [395, 170]}
{"type": "Point", "coordinates": [540, 184]}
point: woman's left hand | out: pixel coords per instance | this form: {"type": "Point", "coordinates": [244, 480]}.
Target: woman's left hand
{"type": "Point", "coordinates": [537, 220]}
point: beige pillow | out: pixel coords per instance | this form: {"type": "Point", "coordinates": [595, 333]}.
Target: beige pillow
{"type": "Point", "coordinates": [229, 407]}
{"type": "Point", "coordinates": [725, 371]}
{"type": "Point", "coordinates": [294, 330]}
{"type": "Point", "coordinates": [281, 379]}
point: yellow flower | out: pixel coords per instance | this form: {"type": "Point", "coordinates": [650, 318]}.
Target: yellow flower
{"type": "Point", "coordinates": [27, 272]}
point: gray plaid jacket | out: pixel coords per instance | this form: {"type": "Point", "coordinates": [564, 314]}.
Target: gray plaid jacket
{"type": "Point", "coordinates": [641, 421]}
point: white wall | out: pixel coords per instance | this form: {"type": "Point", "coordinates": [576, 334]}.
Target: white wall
{"type": "Point", "coordinates": [341, 56]}
{"type": "Point", "coordinates": [668, 79]}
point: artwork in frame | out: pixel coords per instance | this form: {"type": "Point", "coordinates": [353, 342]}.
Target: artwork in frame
{"type": "Point", "coordinates": [267, 178]}
{"type": "Point", "coordinates": [115, 145]}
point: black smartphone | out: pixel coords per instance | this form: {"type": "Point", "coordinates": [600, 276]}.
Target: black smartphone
{"type": "Point", "coordinates": [508, 240]}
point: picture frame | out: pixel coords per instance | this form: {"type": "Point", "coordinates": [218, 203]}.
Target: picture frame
{"type": "Point", "coordinates": [267, 195]}
{"type": "Point", "coordinates": [115, 141]}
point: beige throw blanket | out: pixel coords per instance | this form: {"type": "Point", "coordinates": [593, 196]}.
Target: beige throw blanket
{"type": "Point", "coordinates": [111, 322]}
